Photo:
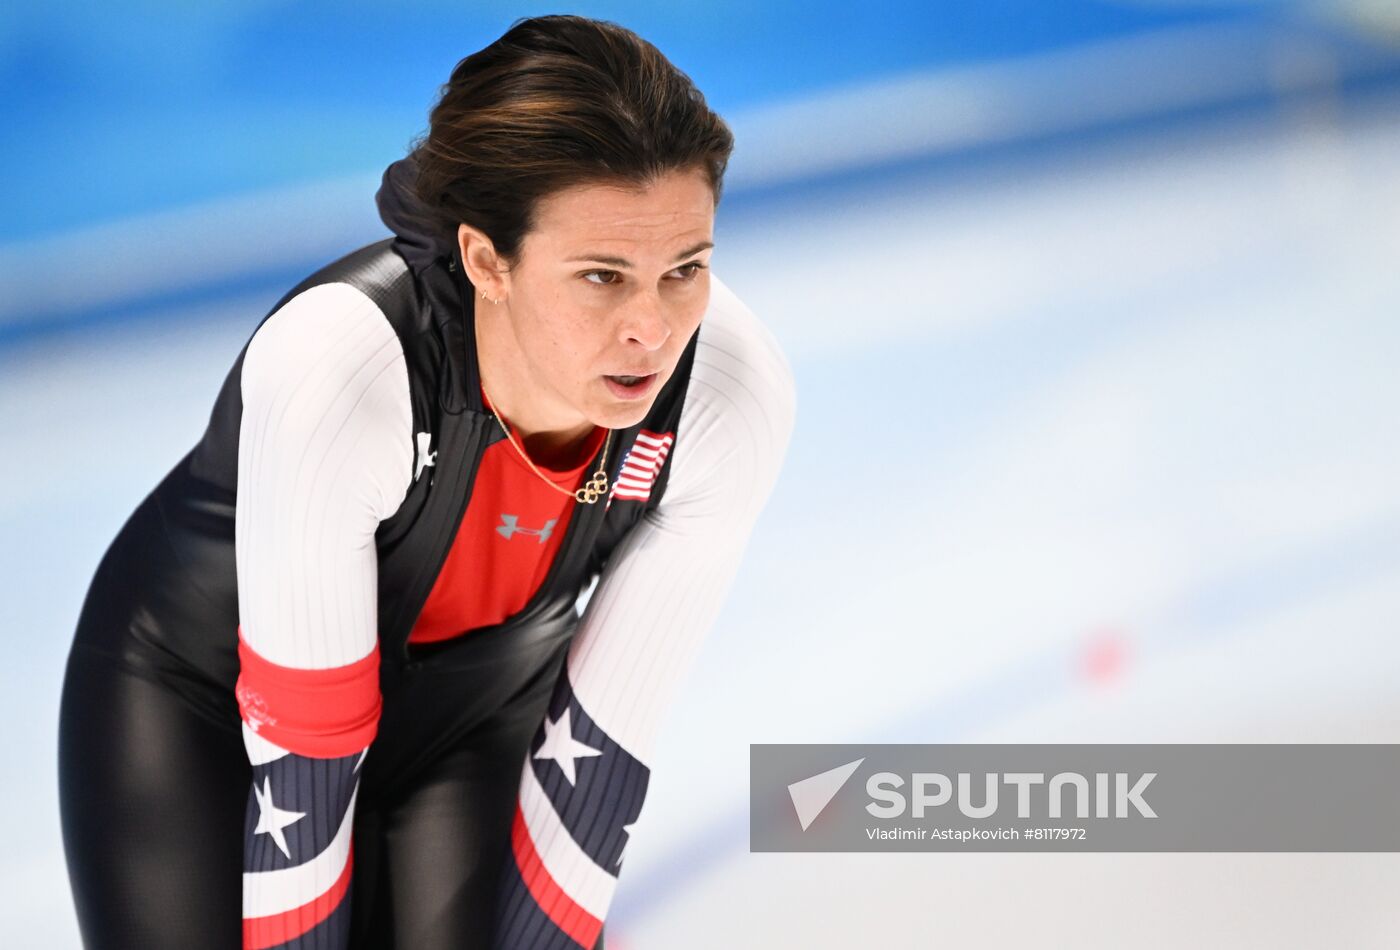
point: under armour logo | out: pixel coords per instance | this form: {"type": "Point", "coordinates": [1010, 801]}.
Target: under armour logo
{"type": "Point", "coordinates": [509, 528]}
{"type": "Point", "coordinates": [425, 458]}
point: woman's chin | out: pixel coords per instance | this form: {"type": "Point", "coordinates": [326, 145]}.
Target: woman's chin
{"type": "Point", "coordinates": [621, 415]}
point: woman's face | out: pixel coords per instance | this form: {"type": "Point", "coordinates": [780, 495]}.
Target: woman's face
{"type": "Point", "coordinates": [610, 284]}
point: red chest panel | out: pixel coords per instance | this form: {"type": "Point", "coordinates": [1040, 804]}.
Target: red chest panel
{"type": "Point", "coordinates": [505, 543]}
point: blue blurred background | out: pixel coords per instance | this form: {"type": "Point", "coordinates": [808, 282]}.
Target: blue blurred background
{"type": "Point", "coordinates": [1095, 313]}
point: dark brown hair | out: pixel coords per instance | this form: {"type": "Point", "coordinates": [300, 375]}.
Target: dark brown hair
{"type": "Point", "coordinates": [558, 101]}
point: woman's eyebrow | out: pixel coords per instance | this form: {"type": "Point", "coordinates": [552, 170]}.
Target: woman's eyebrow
{"type": "Point", "coordinates": [623, 262]}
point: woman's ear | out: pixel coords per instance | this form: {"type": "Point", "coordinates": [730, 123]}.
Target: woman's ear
{"type": "Point", "coordinates": [484, 267]}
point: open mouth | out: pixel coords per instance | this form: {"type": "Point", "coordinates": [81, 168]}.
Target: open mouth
{"type": "Point", "coordinates": [630, 386]}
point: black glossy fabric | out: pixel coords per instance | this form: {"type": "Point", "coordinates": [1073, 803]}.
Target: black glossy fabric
{"type": "Point", "coordinates": [154, 788]}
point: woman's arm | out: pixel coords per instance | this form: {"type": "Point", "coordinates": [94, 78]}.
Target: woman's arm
{"type": "Point", "coordinates": [324, 455]}
{"type": "Point", "coordinates": [583, 784]}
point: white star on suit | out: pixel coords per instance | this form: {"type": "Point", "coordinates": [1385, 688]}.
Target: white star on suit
{"type": "Point", "coordinates": [271, 819]}
{"type": "Point", "coordinates": [561, 746]}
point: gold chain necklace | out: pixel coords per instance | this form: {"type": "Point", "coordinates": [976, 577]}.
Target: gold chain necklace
{"type": "Point", "coordinates": [595, 488]}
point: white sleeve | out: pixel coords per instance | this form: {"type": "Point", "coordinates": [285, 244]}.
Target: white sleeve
{"type": "Point", "coordinates": [325, 454]}
{"type": "Point", "coordinates": [584, 780]}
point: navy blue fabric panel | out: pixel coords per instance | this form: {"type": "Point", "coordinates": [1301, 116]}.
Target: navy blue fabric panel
{"type": "Point", "coordinates": [607, 786]}
{"type": "Point", "coordinates": [317, 789]}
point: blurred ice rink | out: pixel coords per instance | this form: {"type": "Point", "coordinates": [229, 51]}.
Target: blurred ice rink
{"type": "Point", "coordinates": [1096, 443]}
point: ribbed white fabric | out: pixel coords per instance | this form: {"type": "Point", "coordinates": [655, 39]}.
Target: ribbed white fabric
{"type": "Point", "coordinates": [325, 453]}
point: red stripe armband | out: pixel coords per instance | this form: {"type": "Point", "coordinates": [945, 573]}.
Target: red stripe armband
{"type": "Point", "coordinates": [324, 714]}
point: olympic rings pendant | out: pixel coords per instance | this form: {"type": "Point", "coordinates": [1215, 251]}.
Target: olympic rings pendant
{"type": "Point", "coordinates": [596, 488]}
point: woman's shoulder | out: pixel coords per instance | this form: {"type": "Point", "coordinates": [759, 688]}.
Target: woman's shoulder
{"type": "Point", "coordinates": [324, 340]}
{"type": "Point", "coordinates": [356, 309]}
{"type": "Point", "coordinates": [740, 368]}
{"type": "Point", "coordinates": [324, 378]}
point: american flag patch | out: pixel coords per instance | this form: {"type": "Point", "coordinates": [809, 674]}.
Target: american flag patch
{"type": "Point", "coordinates": [641, 465]}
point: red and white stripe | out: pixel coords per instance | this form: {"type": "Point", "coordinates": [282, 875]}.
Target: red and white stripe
{"type": "Point", "coordinates": [642, 465]}
{"type": "Point", "coordinates": [580, 926]}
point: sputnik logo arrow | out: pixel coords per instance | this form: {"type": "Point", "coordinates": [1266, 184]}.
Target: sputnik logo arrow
{"type": "Point", "coordinates": [811, 795]}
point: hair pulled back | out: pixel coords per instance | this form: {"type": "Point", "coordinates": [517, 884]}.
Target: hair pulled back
{"type": "Point", "coordinates": [558, 101]}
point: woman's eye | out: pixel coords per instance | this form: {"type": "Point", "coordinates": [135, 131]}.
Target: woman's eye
{"type": "Point", "coordinates": [690, 270]}
{"type": "Point", "coordinates": [608, 278]}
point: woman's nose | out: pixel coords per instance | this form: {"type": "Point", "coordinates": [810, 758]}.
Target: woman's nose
{"type": "Point", "coordinates": [646, 324]}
